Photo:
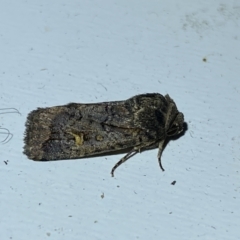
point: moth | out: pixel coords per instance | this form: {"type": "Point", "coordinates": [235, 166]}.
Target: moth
{"type": "Point", "coordinates": [76, 130]}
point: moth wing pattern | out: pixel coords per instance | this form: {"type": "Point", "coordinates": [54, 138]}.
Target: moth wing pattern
{"type": "Point", "coordinates": [79, 130]}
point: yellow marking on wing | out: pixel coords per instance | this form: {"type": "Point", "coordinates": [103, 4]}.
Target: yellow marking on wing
{"type": "Point", "coordinates": [78, 138]}
{"type": "Point", "coordinates": [99, 138]}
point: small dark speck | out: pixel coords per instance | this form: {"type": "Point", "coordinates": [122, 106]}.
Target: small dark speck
{"type": "Point", "coordinates": [173, 183]}
{"type": "Point", "coordinates": [6, 162]}
{"type": "Point", "coordinates": [204, 59]}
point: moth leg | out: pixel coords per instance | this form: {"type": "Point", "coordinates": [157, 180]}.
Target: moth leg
{"type": "Point", "coordinates": [160, 150]}
{"type": "Point", "coordinates": [125, 158]}
{"type": "Point", "coordinates": [134, 151]}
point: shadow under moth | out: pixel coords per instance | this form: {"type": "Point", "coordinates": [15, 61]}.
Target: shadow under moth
{"type": "Point", "coordinates": [80, 130]}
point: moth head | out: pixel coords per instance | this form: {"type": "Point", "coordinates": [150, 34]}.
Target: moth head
{"type": "Point", "coordinates": [174, 119]}
{"type": "Point", "coordinates": [176, 127]}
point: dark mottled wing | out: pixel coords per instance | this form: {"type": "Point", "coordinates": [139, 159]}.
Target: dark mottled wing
{"type": "Point", "coordinates": [79, 130]}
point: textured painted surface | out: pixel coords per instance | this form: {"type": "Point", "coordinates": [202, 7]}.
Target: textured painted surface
{"type": "Point", "coordinates": [92, 51]}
